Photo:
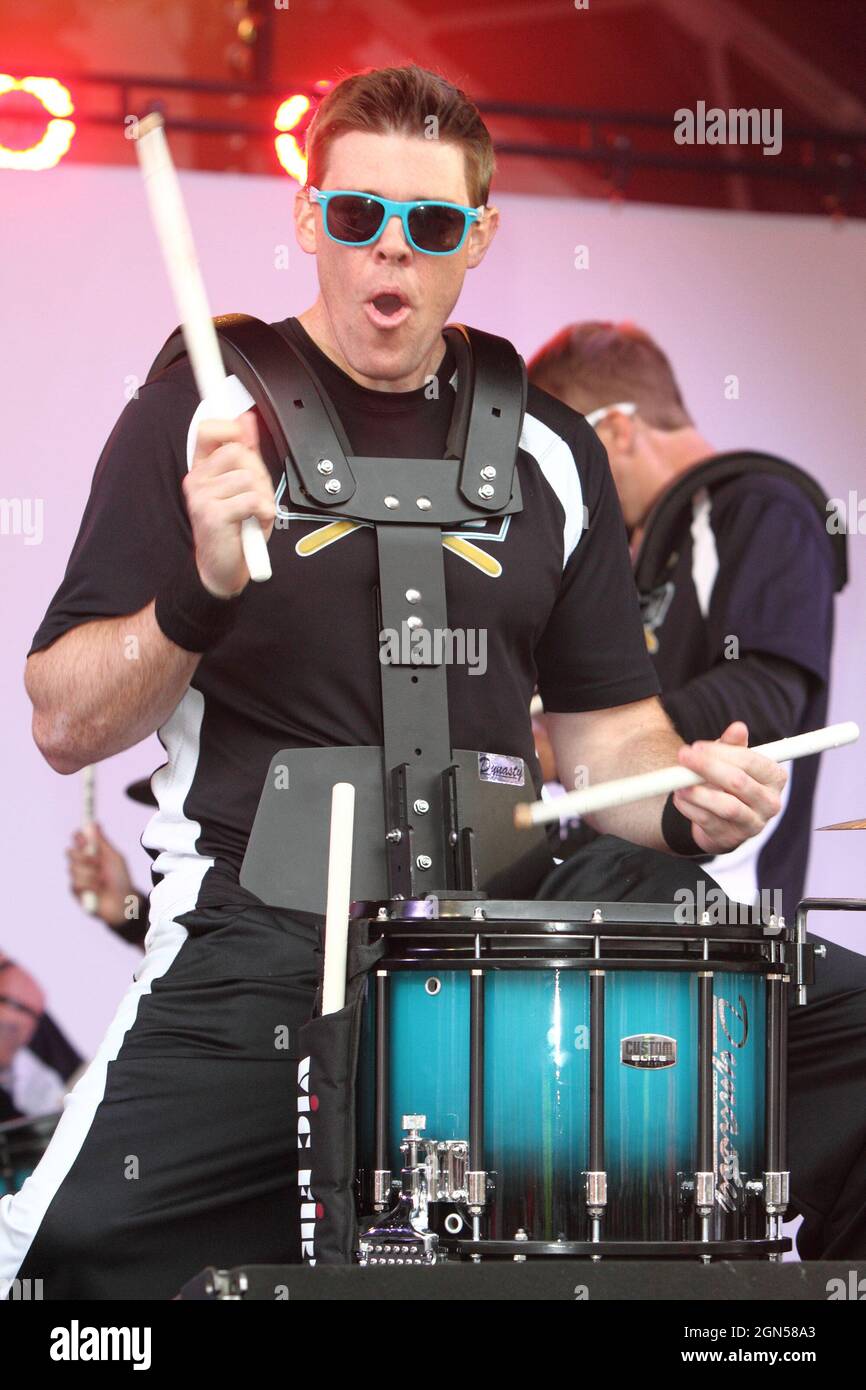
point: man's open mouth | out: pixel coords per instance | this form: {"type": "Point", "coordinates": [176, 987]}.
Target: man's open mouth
{"type": "Point", "coordinates": [388, 309]}
{"type": "Point", "coordinates": [388, 304]}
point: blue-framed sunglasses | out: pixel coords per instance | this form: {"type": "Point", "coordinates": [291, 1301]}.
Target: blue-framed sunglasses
{"type": "Point", "coordinates": [359, 219]}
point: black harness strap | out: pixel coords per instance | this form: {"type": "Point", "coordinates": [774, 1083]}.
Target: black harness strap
{"type": "Point", "coordinates": [308, 434]}
{"type": "Point", "coordinates": [415, 720]}
{"type": "Point", "coordinates": [666, 519]}
{"type": "Point", "coordinates": [487, 417]}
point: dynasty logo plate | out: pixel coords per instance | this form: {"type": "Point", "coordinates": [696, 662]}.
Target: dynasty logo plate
{"type": "Point", "coordinates": [497, 767]}
{"type": "Point", "coordinates": [649, 1051]}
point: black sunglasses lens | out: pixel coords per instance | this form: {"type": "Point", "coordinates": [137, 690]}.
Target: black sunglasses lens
{"type": "Point", "coordinates": [352, 218]}
{"type": "Point", "coordinates": [436, 228]}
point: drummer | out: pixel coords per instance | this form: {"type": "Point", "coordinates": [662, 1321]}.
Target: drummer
{"type": "Point", "coordinates": [741, 627]}
{"type": "Point", "coordinates": [189, 1077]}
{"type": "Point", "coordinates": [753, 563]}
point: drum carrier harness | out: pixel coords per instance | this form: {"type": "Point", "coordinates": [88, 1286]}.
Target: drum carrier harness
{"type": "Point", "coordinates": [428, 819]}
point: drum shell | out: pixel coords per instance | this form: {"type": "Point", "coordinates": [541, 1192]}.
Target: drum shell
{"type": "Point", "coordinates": [537, 1051]}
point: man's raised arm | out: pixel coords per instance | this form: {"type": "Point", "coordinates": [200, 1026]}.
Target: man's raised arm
{"type": "Point", "coordinates": [107, 683]}
{"type": "Point", "coordinates": [103, 687]}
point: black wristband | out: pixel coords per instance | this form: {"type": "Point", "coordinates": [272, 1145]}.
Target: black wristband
{"type": "Point", "coordinates": [677, 831]}
{"type": "Point", "coordinates": [189, 614]}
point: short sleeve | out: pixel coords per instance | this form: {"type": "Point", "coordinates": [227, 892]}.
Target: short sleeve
{"type": "Point", "coordinates": [135, 529]}
{"type": "Point", "coordinates": [592, 654]}
{"type": "Point", "coordinates": [775, 584]}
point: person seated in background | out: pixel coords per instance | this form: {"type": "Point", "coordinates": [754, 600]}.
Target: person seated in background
{"type": "Point", "coordinates": [37, 1063]}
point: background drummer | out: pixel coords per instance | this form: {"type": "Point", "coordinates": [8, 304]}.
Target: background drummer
{"type": "Point", "coordinates": [753, 562]}
{"type": "Point", "coordinates": [743, 626]}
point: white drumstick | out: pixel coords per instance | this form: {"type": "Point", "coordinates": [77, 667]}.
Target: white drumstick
{"type": "Point", "coordinates": [339, 896]}
{"type": "Point", "coordinates": [89, 899]}
{"type": "Point", "coordinates": [664, 780]}
{"type": "Point", "coordinates": [178, 248]}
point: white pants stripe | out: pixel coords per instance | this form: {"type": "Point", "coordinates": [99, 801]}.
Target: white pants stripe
{"type": "Point", "coordinates": [22, 1213]}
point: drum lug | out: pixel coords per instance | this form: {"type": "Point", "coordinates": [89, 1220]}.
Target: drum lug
{"type": "Point", "coordinates": [705, 1192]}
{"type": "Point", "coordinates": [381, 1188]}
{"type": "Point", "coordinates": [596, 1202]}
{"type": "Point", "coordinates": [452, 1157]}
{"type": "Point", "coordinates": [596, 1194]}
{"type": "Point", "coordinates": [476, 1186]}
{"type": "Point", "coordinates": [776, 1193]}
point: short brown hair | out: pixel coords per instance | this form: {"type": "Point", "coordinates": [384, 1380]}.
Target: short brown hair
{"type": "Point", "coordinates": [403, 100]}
{"type": "Point", "coordinates": [589, 365]}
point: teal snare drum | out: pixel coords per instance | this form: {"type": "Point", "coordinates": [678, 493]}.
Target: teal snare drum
{"type": "Point", "coordinates": [568, 1078]}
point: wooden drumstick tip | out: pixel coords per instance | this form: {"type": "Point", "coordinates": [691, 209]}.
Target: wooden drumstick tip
{"type": "Point", "coordinates": [150, 122]}
{"type": "Point", "coordinates": [523, 815]}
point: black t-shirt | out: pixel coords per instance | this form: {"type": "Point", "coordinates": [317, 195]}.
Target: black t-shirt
{"type": "Point", "coordinates": [551, 586]}
{"type": "Point", "coordinates": [751, 571]}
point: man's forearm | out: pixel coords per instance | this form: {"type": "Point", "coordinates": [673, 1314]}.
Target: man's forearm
{"type": "Point", "coordinates": [737, 793]}
{"type": "Point", "coordinates": [609, 744]}
{"type": "Point", "coordinates": [103, 687]}
{"type": "Point", "coordinates": [638, 821]}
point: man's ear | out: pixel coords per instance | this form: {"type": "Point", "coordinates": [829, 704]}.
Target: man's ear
{"type": "Point", "coordinates": [480, 236]}
{"type": "Point", "coordinates": [305, 222]}
{"type": "Point", "coordinates": [623, 430]}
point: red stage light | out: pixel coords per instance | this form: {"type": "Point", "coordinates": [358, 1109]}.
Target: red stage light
{"type": "Point", "coordinates": [58, 133]}
{"type": "Point", "coordinates": [292, 118]}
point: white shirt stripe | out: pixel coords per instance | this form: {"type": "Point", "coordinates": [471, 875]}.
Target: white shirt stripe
{"type": "Point", "coordinates": [557, 463]}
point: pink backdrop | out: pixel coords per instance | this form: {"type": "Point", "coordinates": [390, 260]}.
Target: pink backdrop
{"type": "Point", "coordinates": [779, 302]}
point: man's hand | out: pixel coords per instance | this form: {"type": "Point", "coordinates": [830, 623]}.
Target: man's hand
{"type": "Point", "coordinates": [104, 873]}
{"type": "Point", "coordinates": [741, 794]}
{"type": "Point", "coordinates": [741, 790]}
{"type": "Point", "coordinates": [228, 481]}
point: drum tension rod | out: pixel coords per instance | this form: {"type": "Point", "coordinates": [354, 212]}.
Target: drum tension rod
{"type": "Point", "coordinates": [476, 1177]}
{"type": "Point", "coordinates": [596, 1177]}
{"type": "Point", "coordinates": [776, 1178]}
{"type": "Point", "coordinates": [705, 1173]}
{"type": "Point", "coordinates": [382, 1173]}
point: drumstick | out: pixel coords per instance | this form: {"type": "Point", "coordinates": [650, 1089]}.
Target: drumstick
{"type": "Point", "coordinates": [89, 899]}
{"type": "Point", "coordinates": [664, 780]}
{"type": "Point", "coordinates": [339, 897]}
{"type": "Point", "coordinates": [178, 249]}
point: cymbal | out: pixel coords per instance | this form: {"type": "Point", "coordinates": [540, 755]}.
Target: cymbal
{"type": "Point", "coordinates": [845, 825]}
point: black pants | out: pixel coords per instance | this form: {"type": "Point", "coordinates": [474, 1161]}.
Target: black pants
{"type": "Point", "coordinates": [178, 1149]}
{"type": "Point", "coordinates": [181, 1151]}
